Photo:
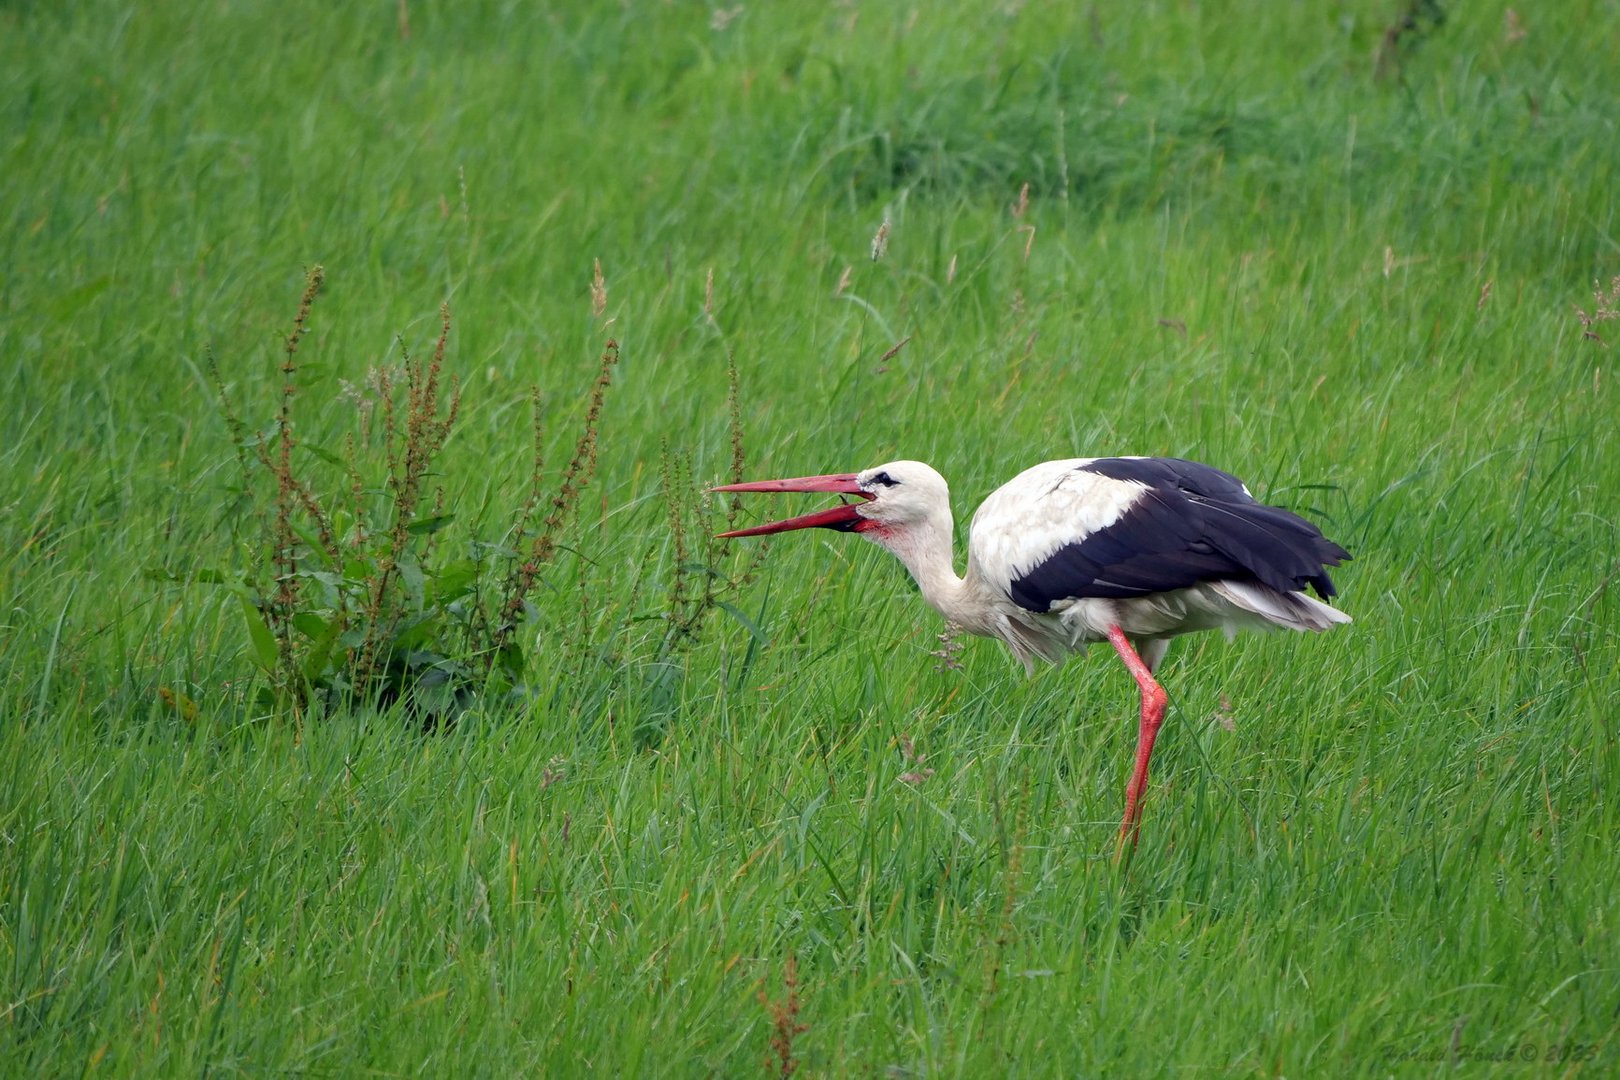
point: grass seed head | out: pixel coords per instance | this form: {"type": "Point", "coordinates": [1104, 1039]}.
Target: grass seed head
{"type": "Point", "coordinates": [1606, 309]}
{"type": "Point", "coordinates": [1515, 31]}
{"type": "Point", "coordinates": [880, 241]}
{"type": "Point", "coordinates": [598, 289]}
{"type": "Point", "coordinates": [1021, 207]}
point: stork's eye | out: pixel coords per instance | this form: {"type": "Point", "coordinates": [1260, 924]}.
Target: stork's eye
{"type": "Point", "coordinates": [885, 479]}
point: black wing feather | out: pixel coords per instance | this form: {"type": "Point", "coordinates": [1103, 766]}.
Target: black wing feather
{"type": "Point", "coordinates": [1193, 524]}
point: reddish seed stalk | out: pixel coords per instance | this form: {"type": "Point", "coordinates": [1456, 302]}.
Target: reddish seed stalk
{"type": "Point", "coordinates": [424, 436]}
{"type": "Point", "coordinates": [785, 1024]}
{"type": "Point", "coordinates": [284, 538]}
{"type": "Point", "coordinates": [576, 476]}
{"type": "Point", "coordinates": [688, 605]}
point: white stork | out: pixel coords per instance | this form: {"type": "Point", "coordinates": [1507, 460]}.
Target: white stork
{"type": "Point", "coordinates": [1128, 550]}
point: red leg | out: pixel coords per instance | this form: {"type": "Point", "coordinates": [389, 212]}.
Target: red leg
{"type": "Point", "coordinates": [1154, 701]}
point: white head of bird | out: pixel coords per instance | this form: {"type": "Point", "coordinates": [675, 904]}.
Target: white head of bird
{"type": "Point", "coordinates": [902, 495]}
{"type": "Point", "coordinates": [1129, 550]}
{"type": "Point", "coordinates": [904, 506]}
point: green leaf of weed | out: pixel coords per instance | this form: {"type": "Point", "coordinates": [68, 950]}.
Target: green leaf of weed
{"type": "Point", "coordinates": [260, 637]}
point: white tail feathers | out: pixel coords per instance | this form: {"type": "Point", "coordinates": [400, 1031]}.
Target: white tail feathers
{"type": "Point", "coordinates": [1293, 610]}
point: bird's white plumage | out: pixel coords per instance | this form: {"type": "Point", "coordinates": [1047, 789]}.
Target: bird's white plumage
{"type": "Point", "coordinates": [1026, 520]}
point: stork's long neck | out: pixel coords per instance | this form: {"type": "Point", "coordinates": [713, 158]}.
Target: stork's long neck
{"type": "Point", "coordinates": [925, 548]}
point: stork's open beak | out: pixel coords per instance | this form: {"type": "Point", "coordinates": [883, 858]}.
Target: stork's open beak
{"type": "Point", "coordinates": [843, 518]}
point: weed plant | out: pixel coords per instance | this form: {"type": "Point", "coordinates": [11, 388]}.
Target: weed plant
{"type": "Point", "coordinates": [347, 598]}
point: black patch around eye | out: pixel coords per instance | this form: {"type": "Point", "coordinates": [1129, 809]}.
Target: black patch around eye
{"type": "Point", "coordinates": [885, 479]}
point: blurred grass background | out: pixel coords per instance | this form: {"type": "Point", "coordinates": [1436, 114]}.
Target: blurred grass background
{"type": "Point", "coordinates": [1334, 250]}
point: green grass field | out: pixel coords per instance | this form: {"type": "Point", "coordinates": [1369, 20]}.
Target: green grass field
{"type": "Point", "coordinates": [1352, 273]}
